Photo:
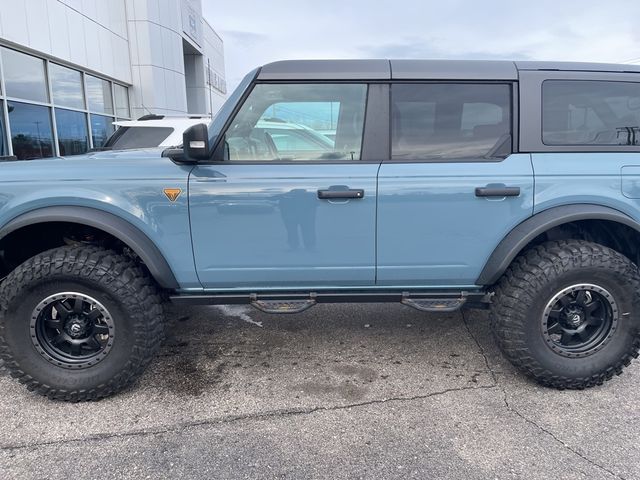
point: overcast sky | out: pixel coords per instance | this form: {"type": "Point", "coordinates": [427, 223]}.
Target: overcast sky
{"type": "Point", "coordinates": [260, 31]}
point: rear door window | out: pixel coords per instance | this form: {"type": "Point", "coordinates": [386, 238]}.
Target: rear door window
{"type": "Point", "coordinates": [447, 121]}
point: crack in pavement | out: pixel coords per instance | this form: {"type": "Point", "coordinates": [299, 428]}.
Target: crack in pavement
{"type": "Point", "coordinates": [523, 417]}
{"type": "Point", "coordinates": [238, 418]}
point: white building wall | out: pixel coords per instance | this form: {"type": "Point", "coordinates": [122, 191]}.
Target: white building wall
{"type": "Point", "coordinates": [89, 33]}
{"type": "Point", "coordinates": [140, 43]}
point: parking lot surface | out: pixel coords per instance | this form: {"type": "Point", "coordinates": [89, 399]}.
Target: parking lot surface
{"type": "Point", "coordinates": [348, 391]}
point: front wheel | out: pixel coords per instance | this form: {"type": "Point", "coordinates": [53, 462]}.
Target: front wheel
{"type": "Point", "coordinates": [567, 313]}
{"type": "Point", "coordinates": [78, 323]}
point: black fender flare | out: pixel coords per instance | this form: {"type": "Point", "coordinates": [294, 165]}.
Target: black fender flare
{"type": "Point", "coordinates": [518, 238]}
{"type": "Point", "coordinates": [130, 235]}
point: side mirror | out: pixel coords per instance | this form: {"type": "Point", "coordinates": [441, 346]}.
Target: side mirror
{"type": "Point", "coordinates": [195, 142]}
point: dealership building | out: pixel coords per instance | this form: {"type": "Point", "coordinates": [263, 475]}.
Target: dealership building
{"type": "Point", "coordinates": [70, 68]}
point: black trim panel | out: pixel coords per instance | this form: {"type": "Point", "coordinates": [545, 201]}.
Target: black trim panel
{"type": "Point", "coordinates": [116, 226]}
{"type": "Point", "coordinates": [525, 232]}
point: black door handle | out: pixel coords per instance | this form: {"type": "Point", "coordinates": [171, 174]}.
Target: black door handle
{"type": "Point", "coordinates": [497, 191]}
{"type": "Point", "coordinates": [345, 193]}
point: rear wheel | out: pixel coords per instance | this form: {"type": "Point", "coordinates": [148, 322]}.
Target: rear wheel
{"type": "Point", "coordinates": [78, 323]}
{"type": "Point", "coordinates": [567, 313]}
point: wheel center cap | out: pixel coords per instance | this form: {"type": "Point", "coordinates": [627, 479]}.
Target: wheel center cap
{"type": "Point", "coordinates": [76, 328]}
{"type": "Point", "coordinates": [574, 319]}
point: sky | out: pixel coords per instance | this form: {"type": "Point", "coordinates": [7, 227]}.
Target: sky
{"type": "Point", "coordinates": [261, 31]}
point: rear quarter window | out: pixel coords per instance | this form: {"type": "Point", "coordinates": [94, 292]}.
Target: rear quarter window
{"type": "Point", "coordinates": [590, 112]}
{"type": "Point", "coordinates": [138, 137]}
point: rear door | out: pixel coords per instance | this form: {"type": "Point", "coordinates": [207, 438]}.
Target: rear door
{"type": "Point", "coordinates": [272, 212]}
{"type": "Point", "coordinates": [452, 187]}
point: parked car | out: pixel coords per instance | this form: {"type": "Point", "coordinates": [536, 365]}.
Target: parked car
{"type": "Point", "coordinates": [512, 186]}
{"type": "Point", "coordinates": [151, 131]}
{"type": "Point", "coordinates": [166, 131]}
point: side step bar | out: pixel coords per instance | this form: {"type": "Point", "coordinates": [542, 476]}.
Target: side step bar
{"type": "Point", "coordinates": [296, 302]}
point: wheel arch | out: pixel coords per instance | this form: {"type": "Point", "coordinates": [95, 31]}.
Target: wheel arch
{"type": "Point", "coordinates": [527, 231]}
{"type": "Point", "coordinates": [119, 228]}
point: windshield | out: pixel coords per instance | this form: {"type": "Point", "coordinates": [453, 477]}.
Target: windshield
{"type": "Point", "coordinates": [138, 137]}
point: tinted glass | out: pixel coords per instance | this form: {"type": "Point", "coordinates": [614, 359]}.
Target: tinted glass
{"type": "Point", "coordinates": [446, 121]}
{"type": "Point", "coordinates": [67, 86]}
{"type": "Point", "coordinates": [138, 137]}
{"type": "Point", "coordinates": [99, 95]}
{"type": "Point", "coordinates": [304, 112]}
{"type": "Point", "coordinates": [31, 133]}
{"type": "Point", "coordinates": [73, 138]}
{"type": "Point", "coordinates": [24, 76]}
{"type": "Point", "coordinates": [3, 143]}
{"type": "Point", "coordinates": [590, 113]}
{"type": "Point", "coordinates": [101, 129]}
{"type": "Point", "coordinates": [122, 101]}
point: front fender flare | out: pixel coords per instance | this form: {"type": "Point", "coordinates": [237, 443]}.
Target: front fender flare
{"type": "Point", "coordinates": [525, 232]}
{"type": "Point", "coordinates": [130, 235]}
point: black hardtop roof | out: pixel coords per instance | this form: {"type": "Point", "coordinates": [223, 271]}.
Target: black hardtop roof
{"type": "Point", "coordinates": [422, 69]}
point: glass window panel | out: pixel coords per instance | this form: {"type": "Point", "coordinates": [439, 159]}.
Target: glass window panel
{"type": "Point", "coordinates": [445, 121]}
{"type": "Point", "coordinates": [71, 126]}
{"type": "Point", "coordinates": [122, 101]}
{"type": "Point", "coordinates": [101, 129]}
{"type": "Point", "coordinates": [99, 95]}
{"type": "Point", "coordinates": [586, 112]}
{"type": "Point", "coordinates": [139, 137]}
{"type": "Point", "coordinates": [24, 76]}
{"type": "Point", "coordinates": [299, 122]}
{"type": "Point", "coordinates": [4, 150]}
{"type": "Point", "coordinates": [67, 86]}
{"type": "Point", "coordinates": [31, 132]}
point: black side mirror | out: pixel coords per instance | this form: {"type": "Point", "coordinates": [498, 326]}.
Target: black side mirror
{"type": "Point", "coordinates": [195, 142]}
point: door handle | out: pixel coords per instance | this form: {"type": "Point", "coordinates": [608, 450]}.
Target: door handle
{"type": "Point", "coordinates": [330, 194]}
{"type": "Point", "coordinates": [497, 191]}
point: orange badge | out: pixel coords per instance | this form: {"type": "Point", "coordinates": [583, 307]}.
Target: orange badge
{"type": "Point", "coordinates": [172, 193]}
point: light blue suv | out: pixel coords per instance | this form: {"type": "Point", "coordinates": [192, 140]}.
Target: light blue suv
{"type": "Point", "coordinates": [441, 185]}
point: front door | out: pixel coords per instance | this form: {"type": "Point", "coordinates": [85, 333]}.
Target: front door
{"type": "Point", "coordinates": [287, 202]}
{"type": "Point", "coordinates": [452, 188]}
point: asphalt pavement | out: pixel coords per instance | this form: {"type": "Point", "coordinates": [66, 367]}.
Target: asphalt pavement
{"type": "Point", "coordinates": [345, 391]}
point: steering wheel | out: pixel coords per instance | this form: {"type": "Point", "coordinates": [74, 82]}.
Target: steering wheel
{"type": "Point", "coordinates": [271, 145]}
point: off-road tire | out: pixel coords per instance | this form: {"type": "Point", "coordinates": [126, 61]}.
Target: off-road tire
{"type": "Point", "coordinates": [125, 290]}
{"type": "Point", "coordinates": [527, 287]}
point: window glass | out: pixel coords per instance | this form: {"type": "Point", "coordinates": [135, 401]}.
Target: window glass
{"type": "Point", "coordinates": [67, 86]}
{"type": "Point", "coordinates": [122, 101]}
{"type": "Point", "coordinates": [446, 121]}
{"type": "Point", "coordinates": [138, 137]}
{"type": "Point", "coordinates": [579, 112]}
{"type": "Point", "coordinates": [3, 143]}
{"type": "Point", "coordinates": [298, 122]}
{"type": "Point", "coordinates": [101, 129]}
{"type": "Point", "coordinates": [73, 138]}
{"type": "Point", "coordinates": [99, 95]}
{"type": "Point", "coordinates": [31, 132]}
{"type": "Point", "coordinates": [24, 76]}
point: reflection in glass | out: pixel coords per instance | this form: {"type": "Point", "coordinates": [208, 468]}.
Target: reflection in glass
{"type": "Point", "coordinates": [73, 138]}
{"type": "Point", "coordinates": [67, 86]}
{"type": "Point", "coordinates": [122, 101]}
{"type": "Point", "coordinates": [99, 95]}
{"type": "Point", "coordinates": [447, 121]}
{"type": "Point", "coordinates": [101, 129]}
{"type": "Point", "coordinates": [3, 143]}
{"type": "Point", "coordinates": [24, 76]}
{"type": "Point", "coordinates": [31, 133]}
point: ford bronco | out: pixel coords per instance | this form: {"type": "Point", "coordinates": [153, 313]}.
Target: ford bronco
{"type": "Point", "coordinates": [513, 186]}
